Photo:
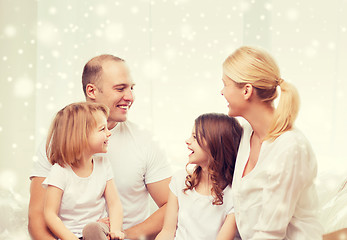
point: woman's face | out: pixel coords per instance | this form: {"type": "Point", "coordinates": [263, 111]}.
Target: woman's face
{"type": "Point", "coordinates": [233, 94]}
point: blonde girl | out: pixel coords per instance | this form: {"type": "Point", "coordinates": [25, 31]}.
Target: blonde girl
{"type": "Point", "coordinates": [80, 184]}
{"type": "Point", "coordinates": [200, 202]}
{"type": "Point", "coordinates": [274, 192]}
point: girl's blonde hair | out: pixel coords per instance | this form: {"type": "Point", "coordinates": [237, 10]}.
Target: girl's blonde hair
{"type": "Point", "coordinates": [68, 134]}
{"type": "Point", "coordinates": [256, 67]}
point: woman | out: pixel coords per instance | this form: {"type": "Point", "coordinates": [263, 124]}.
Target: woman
{"type": "Point", "coordinates": [274, 192]}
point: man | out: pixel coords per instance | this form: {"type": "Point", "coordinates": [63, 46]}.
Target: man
{"type": "Point", "coordinates": [139, 167]}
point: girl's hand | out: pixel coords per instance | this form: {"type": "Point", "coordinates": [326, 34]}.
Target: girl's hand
{"type": "Point", "coordinates": [105, 220]}
{"type": "Point", "coordinates": [118, 235]}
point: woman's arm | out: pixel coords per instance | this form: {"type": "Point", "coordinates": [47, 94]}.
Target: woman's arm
{"type": "Point", "coordinates": [115, 210]}
{"type": "Point", "coordinates": [170, 221]}
{"type": "Point", "coordinates": [228, 229]}
{"type": "Point", "coordinates": [51, 209]}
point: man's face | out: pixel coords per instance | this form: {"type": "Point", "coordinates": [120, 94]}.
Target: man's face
{"type": "Point", "coordinates": [116, 91]}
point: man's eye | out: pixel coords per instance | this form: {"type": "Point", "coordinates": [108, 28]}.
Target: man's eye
{"type": "Point", "coordinates": [120, 89]}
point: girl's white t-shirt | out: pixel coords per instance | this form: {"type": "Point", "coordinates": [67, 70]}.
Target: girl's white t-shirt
{"type": "Point", "coordinates": [136, 159]}
{"type": "Point", "coordinates": [83, 199]}
{"type": "Point", "coordinates": [198, 218]}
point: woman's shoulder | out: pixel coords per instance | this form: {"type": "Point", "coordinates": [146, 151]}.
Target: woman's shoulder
{"type": "Point", "coordinates": [293, 137]}
{"type": "Point", "coordinates": [294, 146]}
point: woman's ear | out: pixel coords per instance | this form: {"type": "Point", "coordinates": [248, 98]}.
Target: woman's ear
{"type": "Point", "coordinates": [247, 91]}
{"type": "Point", "coordinates": [91, 91]}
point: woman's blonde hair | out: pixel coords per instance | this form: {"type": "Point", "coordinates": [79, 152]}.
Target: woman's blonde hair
{"type": "Point", "coordinates": [256, 67]}
{"type": "Point", "coordinates": [68, 134]}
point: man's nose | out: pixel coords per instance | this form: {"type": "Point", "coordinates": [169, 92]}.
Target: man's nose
{"type": "Point", "coordinates": [129, 95]}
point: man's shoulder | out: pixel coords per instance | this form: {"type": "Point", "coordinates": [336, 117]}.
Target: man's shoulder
{"type": "Point", "coordinates": [41, 165]}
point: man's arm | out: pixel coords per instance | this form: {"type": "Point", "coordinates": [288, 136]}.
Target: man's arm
{"type": "Point", "coordinates": [37, 226]}
{"type": "Point", "coordinates": [159, 191]}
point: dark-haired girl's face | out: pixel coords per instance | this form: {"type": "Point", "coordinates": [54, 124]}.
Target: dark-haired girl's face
{"type": "Point", "coordinates": [197, 154]}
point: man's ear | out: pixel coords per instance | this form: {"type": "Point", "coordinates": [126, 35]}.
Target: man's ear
{"type": "Point", "coordinates": [248, 91]}
{"type": "Point", "coordinates": [91, 91]}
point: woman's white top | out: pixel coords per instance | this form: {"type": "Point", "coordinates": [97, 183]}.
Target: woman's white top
{"type": "Point", "coordinates": [83, 198]}
{"type": "Point", "coordinates": [333, 214]}
{"type": "Point", "coordinates": [277, 199]}
{"type": "Point", "coordinates": [198, 218]}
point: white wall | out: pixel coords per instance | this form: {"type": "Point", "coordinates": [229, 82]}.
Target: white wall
{"type": "Point", "coordinates": [175, 50]}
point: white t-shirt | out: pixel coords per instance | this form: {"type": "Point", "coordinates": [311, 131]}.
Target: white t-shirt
{"type": "Point", "coordinates": [198, 218]}
{"type": "Point", "coordinates": [277, 199]}
{"type": "Point", "coordinates": [136, 160]}
{"type": "Point", "coordinates": [83, 199]}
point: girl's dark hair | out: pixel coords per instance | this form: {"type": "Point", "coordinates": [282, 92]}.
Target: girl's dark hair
{"type": "Point", "coordinates": [219, 135]}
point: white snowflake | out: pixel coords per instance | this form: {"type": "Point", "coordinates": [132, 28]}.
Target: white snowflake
{"type": "Point", "coordinates": [24, 87]}
{"type": "Point", "coordinates": [292, 14]}
{"type": "Point", "coordinates": [10, 31]}
{"type": "Point", "coordinates": [47, 33]}
{"type": "Point", "coordinates": [152, 69]}
{"type": "Point", "coordinates": [187, 32]}
{"type": "Point", "coordinates": [8, 179]}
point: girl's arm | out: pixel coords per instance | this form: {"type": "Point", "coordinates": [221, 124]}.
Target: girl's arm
{"type": "Point", "coordinates": [228, 229]}
{"type": "Point", "coordinates": [115, 210]}
{"type": "Point", "coordinates": [170, 221]}
{"type": "Point", "coordinates": [51, 209]}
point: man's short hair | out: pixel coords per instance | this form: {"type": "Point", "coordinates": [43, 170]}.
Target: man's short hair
{"type": "Point", "coordinates": [93, 69]}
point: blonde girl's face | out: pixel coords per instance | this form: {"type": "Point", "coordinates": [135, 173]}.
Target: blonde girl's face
{"type": "Point", "coordinates": [197, 154]}
{"type": "Point", "coordinates": [98, 137]}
